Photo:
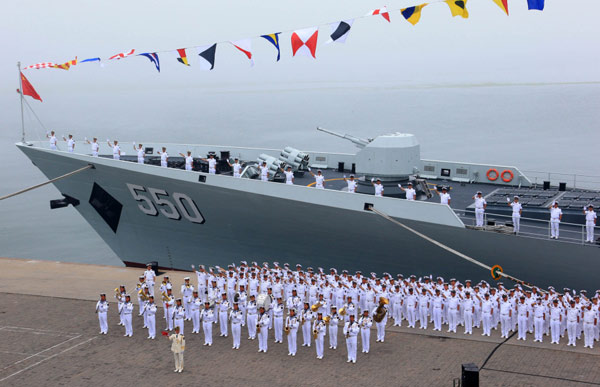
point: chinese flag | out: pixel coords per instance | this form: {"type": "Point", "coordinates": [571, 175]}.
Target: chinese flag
{"type": "Point", "coordinates": [28, 89]}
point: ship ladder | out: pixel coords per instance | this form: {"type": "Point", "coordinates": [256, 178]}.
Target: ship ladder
{"type": "Point", "coordinates": [451, 250]}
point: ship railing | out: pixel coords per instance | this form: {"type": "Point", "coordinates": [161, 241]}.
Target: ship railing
{"type": "Point", "coordinates": [529, 227]}
{"type": "Point", "coordinates": [572, 180]}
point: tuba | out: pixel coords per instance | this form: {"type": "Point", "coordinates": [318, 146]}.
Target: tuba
{"type": "Point", "coordinates": [381, 310]}
{"type": "Point", "coordinates": [165, 297]}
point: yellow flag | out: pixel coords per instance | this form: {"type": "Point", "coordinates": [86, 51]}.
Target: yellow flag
{"type": "Point", "coordinates": [458, 8]}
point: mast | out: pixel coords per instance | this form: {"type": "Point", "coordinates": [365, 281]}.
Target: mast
{"type": "Point", "coordinates": [21, 93]}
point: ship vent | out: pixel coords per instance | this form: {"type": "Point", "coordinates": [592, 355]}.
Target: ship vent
{"type": "Point", "coordinates": [107, 207]}
{"type": "Point", "coordinates": [461, 171]}
{"type": "Point", "coordinates": [321, 159]}
{"type": "Point", "coordinates": [429, 168]}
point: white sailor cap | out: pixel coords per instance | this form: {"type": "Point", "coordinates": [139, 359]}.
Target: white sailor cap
{"type": "Point", "coordinates": [318, 170]}
{"type": "Point", "coordinates": [127, 295]}
{"type": "Point", "coordinates": [467, 281]}
{"type": "Point", "coordinates": [102, 294]}
{"type": "Point", "coordinates": [186, 279]}
{"type": "Point", "coordinates": [516, 196]}
{"type": "Point", "coordinates": [373, 274]}
{"type": "Point", "coordinates": [276, 264]}
{"type": "Point", "coordinates": [351, 175]}
{"type": "Point", "coordinates": [409, 183]}
{"type": "Point", "coordinates": [478, 192]}
{"type": "Point", "coordinates": [243, 263]}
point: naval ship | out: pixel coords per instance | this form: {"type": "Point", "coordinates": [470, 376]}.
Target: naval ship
{"type": "Point", "coordinates": [179, 217]}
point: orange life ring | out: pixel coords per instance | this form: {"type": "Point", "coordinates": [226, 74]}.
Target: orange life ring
{"type": "Point", "coordinates": [505, 179]}
{"type": "Point", "coordinates": [496, 174]}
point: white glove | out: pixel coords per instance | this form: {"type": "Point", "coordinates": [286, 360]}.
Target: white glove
{"type": "Point", "coordinates": [399, 185]}
{"type": "Point", "coordinates": [309, 170]}
{"type": "Point", "coordinates": [107, 140]}
{"type": "Point", "coordinates": [372, 179]}
{"type": "Point", "coordinates": [344, 176]}
{"type": "Point", "coordinates": [508, 200]}
{"type": "Point", "coordinates": [134, 143]}
{"type": "Point", "coordinates": [193, 266]}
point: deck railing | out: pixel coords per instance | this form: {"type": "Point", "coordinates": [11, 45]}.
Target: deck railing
{"type": "Point", "coordinates": [533, 228]}
{"type": "Point", "coordinates": [571, 179]}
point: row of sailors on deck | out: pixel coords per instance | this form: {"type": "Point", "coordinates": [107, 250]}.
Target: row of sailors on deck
{"type": "Point", "coordinates": [424, 301]}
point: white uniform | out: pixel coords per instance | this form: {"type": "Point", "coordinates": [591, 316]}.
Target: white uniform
{"type": "Point", "coordinates": [516, 215]}
{"type": "Point", "coordinates": [590, 223]}
{"type": "Point", "coordinates": [292, 323]}
{"type": "Point", "coordinates": [53, 142]}
{"type": "Point", "coordinates": [189, 162]}
{"type": "Point", "coordinates": [207, 316]}
{"type": "Point", "coordinates": [102, 309]}
{"type": "Point", "coordinates": [333, 330]}
{"type": "Point", "coordinates": [264, 173]}
{"type": "Point", "coordinates": [555, 214]}
{"type": "Point", "coordinates": [321, 329]}
{"type": "Point", "coordinates": [164, 156]}
{"type": "Point", "coordinates": [378, 189]}
{"type": "Point", "coordinates": [319, 180]}
{"type": "Point", "coordinates": [365, 324]}
{"type": "Point", "coordinates": [556, 316]}
{"type": "Point", "coordinates": [351, 186]}
{"type": "Point", "coordinates": [212, 166]}
{"type": "Point", "coordinates": [237, 170]}
{"type": "Point", "coordinates": [263, 335]}
{"type": "Point", "coordinates": [572, 320]}
{"type": "Point", "coordinates": [589, 320]}
{"type": "Point", "coordinates": [278, 322]}
{"type": "Point", "coordinates": [140, 156]}
{"type": "Point", "coordinates": [410, 193]}
{"type": "Point", "coordinates": [479, 210]}
{"type": "Point", "coordinates": [236, 317]}
{"type": "Point", "coordinates": [289, 177]}
{"type": "Point", "coordinates": [127, 311]}
{"type": "Point", "coordinates": [116, 152]}
{"type": "Point", "coordinates": [351, 331]}
{"type": "Point", "coordinates": [151, 320]}
{"type": "Point", "coordinates": [445, 198]}
{"type": "Point", "coordinates": [95, 149]}
{"type": "Point", "coordinates": [178, 347]}
{"type": "Point", "coordinates": [70, 145]}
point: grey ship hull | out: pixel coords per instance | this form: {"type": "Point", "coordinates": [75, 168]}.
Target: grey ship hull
{"type": "Point", "coordinates": [251, 224]}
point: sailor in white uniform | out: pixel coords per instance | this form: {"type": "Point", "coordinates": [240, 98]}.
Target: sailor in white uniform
{"type": "Point", "coordinates": [590, 223]}
{"type": "Point", "coordinates": [208, 317]}
{"type": "Point", "coordinates": [291, 326]}
{"type": "Point", "coordinates": [236, 317]}
{"type": "Point", "coordinates": [350, 331]}
{"type": "Point", "coordinates": [378, 187]}
{"type": "Point", "coordinates": [53, 140]}
{"type": "Point", "coordinates": [444, 196]}
{"type": "Point", "coordinates": [189, 160]}
{"type": "Point", "coordinates": [289, 175]}
{"type": "Point", "coordinates": [319, 179]}
{"type": "Point", "coordinates": [102, 310]}
{"type": "Point", "coordinates": [264, 171]}
{"type": "Point", "coordinates": [517, 210]}
{"type": "Point", "coordinates": [164, 157]}
{"type": "Point", "coordinates": [127, 311]}
{"type": "Point", "coordinates": [70, 143]}
{"type": "Point", "coordinates": [212, 164]}
{"type": "Point", "coordinates": [555, 218]}
{"type": "Point", "coordinates": [151, 318]}
{"type": "Point", "coordinates": [95, 146]}
{"type": "Point", "coordinates": [141, 153]}
{"type": "Point", "coordinates": [150, 278]}
{"type": "Point", "coordinates": [237, 167]}
{"type": "Point", "coordinates": [116, 149]}
{"type": "Point", "coordinates": [480, 205]}
{"type": "Point", "coordinates": [409, 191]}
{"type": "Point", "coordinates": [352, 184]}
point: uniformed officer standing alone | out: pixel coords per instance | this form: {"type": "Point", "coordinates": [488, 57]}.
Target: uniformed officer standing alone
{"type": "Point", "coordinates": [480, 205]}
{"type": "Point", "coordinates": [177, 347]}
{"type": "Point", "coordinates": [555, 218]}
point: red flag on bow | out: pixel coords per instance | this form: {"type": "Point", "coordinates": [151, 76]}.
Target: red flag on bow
{"type": "Point", "coordinates": [28, 89]}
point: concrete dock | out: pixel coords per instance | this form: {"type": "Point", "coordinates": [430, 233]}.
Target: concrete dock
{"type": "Point", "coordinates": [49, 336]}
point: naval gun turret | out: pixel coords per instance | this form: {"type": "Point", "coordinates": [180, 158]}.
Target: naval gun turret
{"type": "Point", "coordinates": [391, 157]}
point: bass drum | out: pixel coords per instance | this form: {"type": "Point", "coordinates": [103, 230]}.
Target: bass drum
{"type": "Point", "coordinates": [264, 301]}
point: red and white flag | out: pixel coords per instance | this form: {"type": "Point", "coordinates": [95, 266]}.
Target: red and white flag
{"type": "Point", "coordinates": [381, 11]}
{"type": "Point", "coordinates": [304, 42]}
{"type": "Point", "coordinates": [121, 55]}
{"type": "Point", "coordinates": [245, 46]}
{"type": "Point", "coordinates": [43, 65]}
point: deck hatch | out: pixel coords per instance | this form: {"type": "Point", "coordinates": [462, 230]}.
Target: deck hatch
{"type": "Point", "coordinates": [107, 206]}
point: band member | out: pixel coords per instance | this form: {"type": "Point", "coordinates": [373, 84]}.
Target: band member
{"type": "Point", "coordinates": [120, 297]}
{"type": "Point", "coordinates": [169, 305]}
{"type": "Point", "coordinates": [177, 347]}
{"type": "Point", "coordinates": [139, 290]}
{"type": "Point", "coordinates": [263, 330]}
{"type": "Point", "coordinates": [195, 305]}
{"type": "Point", "coordinates": [365, 322]}
{"type": "Point", "coordinates": [127, 311]}
{"type": "Point", "coordinates": [291, 325]}
{"type": "Point", "coordinates": [179, 315]}
{"type": "Point", "coordinates": [223, 314]}
{"type": "Point", "coordinates": [278, 320]}
{"type": "Point", "coordinates": [350, 331]}
{"type": "Point", "coordinates": [319, 328]}
{"type": "Point", "coordinates": [187, 291]}
{"type": "Point", "coordinates": [236, 318]}
{"type": "Point", "coordinates": [151, 317]}
{"type": "Point", "coordinates": [102, 310]}
{"type": "Point", "coordinates": [334, 320]}
{"type": "Point", "coordinates": [307, 317]}
{"type": "Point", "coordinates": [251, 316]}
{"type": "Point", "coordinates": [207, 316]}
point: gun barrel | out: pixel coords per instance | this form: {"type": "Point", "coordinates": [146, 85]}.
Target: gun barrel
{"type": "Point", "coordinates": [359, 142]}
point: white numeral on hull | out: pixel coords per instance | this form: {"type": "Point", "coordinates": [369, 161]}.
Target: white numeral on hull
{"type": "Point", "coordinates": [183, 204]}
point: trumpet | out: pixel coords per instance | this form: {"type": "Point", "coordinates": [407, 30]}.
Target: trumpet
{"type": "Point", "coordinates": [316, 306]}
{"type": "Point", "coordinates": [342, 311]}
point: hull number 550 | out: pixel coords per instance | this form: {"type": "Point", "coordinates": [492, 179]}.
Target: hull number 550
{"type": "Point", "coordinates": [154, 200]}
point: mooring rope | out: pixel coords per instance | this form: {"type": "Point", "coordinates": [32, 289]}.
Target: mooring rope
{"type": "Point", "coordinates": [450, 249]}
{"type": "Point", "coordinates": [47, 182]}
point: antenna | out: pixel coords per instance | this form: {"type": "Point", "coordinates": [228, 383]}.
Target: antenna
{"type": "Point", "coordinates": [21, 93]}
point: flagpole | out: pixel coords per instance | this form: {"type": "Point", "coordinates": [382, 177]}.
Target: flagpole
{"type": "Point", "coordinates": [21, 92]}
